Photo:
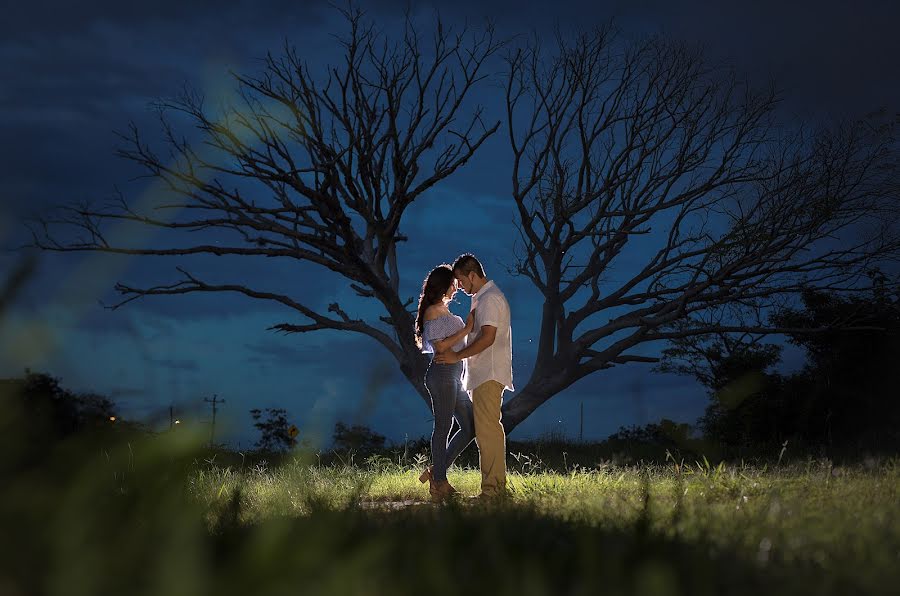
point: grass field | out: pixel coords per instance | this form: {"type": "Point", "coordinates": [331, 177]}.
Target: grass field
{"type": "Point", "coordinates": [155, 516]}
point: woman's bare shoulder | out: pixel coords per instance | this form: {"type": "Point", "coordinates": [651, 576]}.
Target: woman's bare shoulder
{"type": "Point", "coordinates": [436, 311]}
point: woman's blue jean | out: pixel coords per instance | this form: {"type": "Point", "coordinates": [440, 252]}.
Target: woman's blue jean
{"type": "Point", "coordinates": [448, 400]}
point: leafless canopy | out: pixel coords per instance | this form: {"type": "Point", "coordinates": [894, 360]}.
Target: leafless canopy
{"type": "Point", "coordinates": [657, 199]}
{"type": "Point", "coordinates": [332, 159]}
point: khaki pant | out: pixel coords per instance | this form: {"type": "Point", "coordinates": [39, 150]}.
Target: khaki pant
{"type": "Point", "coordinates": [489, 435]}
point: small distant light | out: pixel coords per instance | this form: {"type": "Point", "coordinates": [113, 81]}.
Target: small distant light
{"type": "Point", "coordinates": [112, 418]}
{"type": "Point", "coordinates": [178, 422]}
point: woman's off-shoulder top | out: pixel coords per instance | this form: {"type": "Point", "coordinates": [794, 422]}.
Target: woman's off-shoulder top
{"type": "Point", "coordinates": [439, 328]}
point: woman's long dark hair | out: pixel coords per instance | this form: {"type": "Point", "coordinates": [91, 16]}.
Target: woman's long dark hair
{"type": "Point", "coordinates": [433, 289]}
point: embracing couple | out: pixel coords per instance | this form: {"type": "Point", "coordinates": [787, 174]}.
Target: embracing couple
{"type": "Point", "coordinates": [470, 368]}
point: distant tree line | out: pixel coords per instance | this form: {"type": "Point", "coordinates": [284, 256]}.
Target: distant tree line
{"type": "Point", "coordinates": [38, 414]}
{"type": "Point", "coordinates": [56, 412]}
{"type": "Point", "coordinates": [846, 396]}
{"type": "Point", "coordinates": [844, 399]}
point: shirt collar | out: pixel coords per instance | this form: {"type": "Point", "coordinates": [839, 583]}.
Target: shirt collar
{"type": "Point", "coordinates": [484, 288]}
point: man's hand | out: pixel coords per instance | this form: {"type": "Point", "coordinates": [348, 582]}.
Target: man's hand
{"type": "Point", "coordinates": [448, 357]}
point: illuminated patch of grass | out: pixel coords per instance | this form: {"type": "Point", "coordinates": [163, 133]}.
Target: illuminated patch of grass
{"type": "Point", "coordinates": [159, 515]}
{"type": "Point", "coordinates": [844, 523]}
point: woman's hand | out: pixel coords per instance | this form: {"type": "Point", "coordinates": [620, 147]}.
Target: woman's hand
{"type": "Point", "coordinates": [444, 345]}
{"type": "Point", "coordinates": [470, 322]}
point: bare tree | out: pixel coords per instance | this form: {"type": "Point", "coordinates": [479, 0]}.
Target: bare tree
{"type": "Point", "coordinates": [335, 160]}
{"type": "Point", "coordinates": [656, 197]}
{"type": "Point", "coordinates": [658, 200]}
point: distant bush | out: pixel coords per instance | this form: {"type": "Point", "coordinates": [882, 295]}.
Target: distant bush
{"type": "Point", "coordinates": [45, 413]}
{"type": "Point", "coordinates": [357, 438]}
{"type": "Point", "coordinates": [277, 434]}
{"type": "Point", "coordinates": [841, 402]}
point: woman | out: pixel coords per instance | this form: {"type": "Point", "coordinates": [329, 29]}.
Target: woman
{"type": "Point", "coordinates": [437, 330]}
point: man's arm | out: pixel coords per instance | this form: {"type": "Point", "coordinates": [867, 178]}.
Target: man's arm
{"type": "Point", "coordinates": [484, 341]}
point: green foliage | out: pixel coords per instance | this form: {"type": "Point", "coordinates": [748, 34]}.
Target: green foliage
{"type": "Point", "coordinates": [61, 411]}
{"type": "Point", "coordinates": [662, 437]}
{"type": "Point", "coordinates": [717, 362]}
{"type": "Point", "coordinates": [810, 527]}
{"type": "Point", "coordinates": [848, 388]}
{"type": "Point", "coordinates": [357, 439]}
{"type": "Point", "coordinates": [45, 414]}
{"type": "Point", "coordinates": [275, 430]}
{"type": "Point", "coordinates": [843, 399]}
{"type": "Point", "coordinates": [147, 515]}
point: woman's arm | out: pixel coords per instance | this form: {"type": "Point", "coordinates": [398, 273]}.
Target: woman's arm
{"type": "Point", "coordinates": [484, 341]}
{"type": "Point", "coordinates": [441, 345]}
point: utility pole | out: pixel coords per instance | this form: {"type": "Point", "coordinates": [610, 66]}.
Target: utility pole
{"type": "Point", "coordinates": [214, 401]}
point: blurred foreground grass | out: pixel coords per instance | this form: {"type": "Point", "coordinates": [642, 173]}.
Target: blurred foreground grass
{"type": "Point", "coordinates": [159, 515]}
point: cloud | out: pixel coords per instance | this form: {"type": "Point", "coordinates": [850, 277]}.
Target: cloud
{"type": "Point", "coordinates": [176, 364]}
{"type": "Point", "coordinates": [126, 392]}
{"type": "Point", "coordinates": [73, 76]}
{"type": "Point", "coordinates": [28, 20]}
{"type": "Point", "coordinates": [323, 351]}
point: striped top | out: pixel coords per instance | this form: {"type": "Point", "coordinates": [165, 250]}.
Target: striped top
{"type": "Point", "coordinates": [439, 328]}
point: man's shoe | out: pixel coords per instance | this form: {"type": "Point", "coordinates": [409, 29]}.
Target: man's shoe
{"type": "Point", "coordinates": [497, 497]}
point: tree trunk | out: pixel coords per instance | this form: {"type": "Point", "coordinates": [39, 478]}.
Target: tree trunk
{"type": "Point", "coordinates": [529, 398]}
{"type": "Point", "coordinates": [414, 368]}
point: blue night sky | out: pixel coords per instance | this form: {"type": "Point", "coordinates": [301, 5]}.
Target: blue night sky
{"type": "Point", "coordinates": [72, 74]}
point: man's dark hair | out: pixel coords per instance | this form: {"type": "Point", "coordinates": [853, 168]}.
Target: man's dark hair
{"type": "Point", "coordinates": [466, 264]}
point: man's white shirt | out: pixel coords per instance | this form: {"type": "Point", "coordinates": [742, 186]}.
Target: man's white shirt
{"type": "Point", "coordinates": [495, 362]}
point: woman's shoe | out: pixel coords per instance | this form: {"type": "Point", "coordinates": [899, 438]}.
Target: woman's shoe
{"type": "Point", "coordinates": [441, 490]}
{"type": "Point", "coordinates": [427, 475]}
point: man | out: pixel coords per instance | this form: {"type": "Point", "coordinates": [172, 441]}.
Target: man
{"type": "Point", "coordinates": [488, 369]}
